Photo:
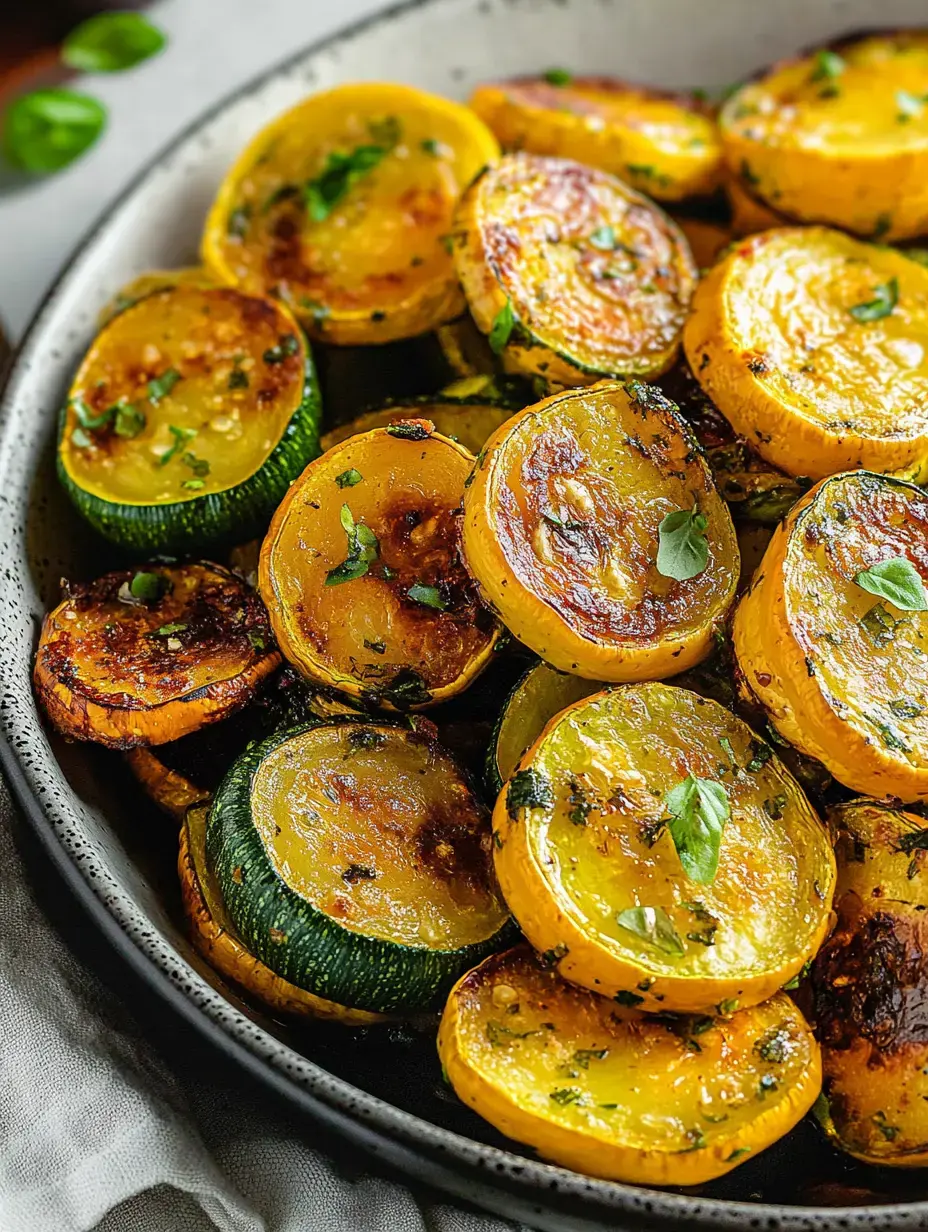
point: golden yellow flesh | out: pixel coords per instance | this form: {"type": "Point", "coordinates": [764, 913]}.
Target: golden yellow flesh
{"type": "Point", "coordinates": [537, 698]}
{"type": "Point", "coordinates": [226, 424]}
{"type": "Point", "coordinates": [843, 673]}
{"type": "Point", "coordinates": [566, 881]}
{"type": "Point", "coordinates": [151, 281]}
{"type": "Point", "coordinates": [468, 425]}
{"type": "Point", "coordinates": [615, 1093]}
{"type": "Point", "coordinates": [380, 833]}
{"type": "Point", "coordinates": [839, 137]}
{"type": "Point", "coordinates": [376, 267]}
{"type": "Point", "coordinates": [776, 345]}
{"type": "Point", "coordinates": [561, 532]}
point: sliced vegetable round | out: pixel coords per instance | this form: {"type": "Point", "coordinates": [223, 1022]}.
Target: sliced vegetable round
{"type": "Point", "coordinates": [343, 205]}
{"type": "Point", "coordinates": [839, 136]}
{"type": "Point", "coordinates": [188, 418]}
{"type": "Point", "coordinates": [593, 527]}
{"type": "Point", "coordinates": [748, 215]}
{"type": "Point", "coordinates": [468, 422]}
{"type": "Point", "coordinates": [361, 575]}
{"type": "Point", "coordinates": [375, 889]}
{"type": "Point", "coordinates": [570, 273]}
{"type": "Point", "coordinates": [618, 1094]}
{"type": "Point", "coordinates": [663, 144]}
{"type": "Point", "coordinates": [832, 637]}
{"type": "Point", "coordinates": [869, 980]}
{"type": "Point", "coordinates": [845, 390]}
{"type": "Point", "coordinates": [659, 853]}
{"type": "Point", "coordinates": [151, 281]}
{"type": "Point", "coordinates": [214, 937]}
{"type": "Point", "coordinates": [145, 656]}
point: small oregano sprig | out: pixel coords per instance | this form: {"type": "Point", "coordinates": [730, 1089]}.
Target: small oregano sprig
{"type": "Point", "coordinates": [683, 550]}
{"type": "Point", "coordinates": [698, 809]}
{"type": "Point", "coordinates": [896, 580]}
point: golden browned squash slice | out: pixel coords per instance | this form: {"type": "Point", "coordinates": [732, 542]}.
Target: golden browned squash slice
{"type": "Point", "coordinates": [832, 637]}
{"type": "Point", "coordinates": [839, 136]}
{"type": "Point", "coordinates": [361, 574]}
{"type": "Point", "coordinates": [571, 274]}
{"type": "Point", "coordinates": [619, 1094]}
{"type": "Point", "coordinates": [593, 527]}
{"type": "Point", "coordinates": [213, 936]}
{"type": "Point", "coordinates": [666, 145]}
{"type": "Point", "coordinates": [870, 980]}
{"type": "Point", "coordinates": [748, 215]}
{"type": "Point", "coordinates": [848, 388]}
{"type": "Point", "coordinates": [659, 853]}
{"type": "Point", "coordinates": [343, 207]}
{"type": "Point", "coordinates": [146, 656]}
{"type": "Point", "coordinates": [151, 281]}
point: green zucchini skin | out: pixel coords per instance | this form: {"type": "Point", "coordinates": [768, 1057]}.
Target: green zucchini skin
{"type": "Point", "coordinates": [215, 519]}
{"type": "Point", "coordinates": [311, 950]}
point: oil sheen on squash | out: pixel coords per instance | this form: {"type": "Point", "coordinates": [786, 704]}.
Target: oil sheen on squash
{"type": "Point", "coordinates": [618, 1094]}
{"type": "Point", "coordinates": [593, 842]}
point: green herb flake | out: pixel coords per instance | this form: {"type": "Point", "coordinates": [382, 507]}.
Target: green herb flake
{"type": "Point", "coordinates": [193, 485]}
{"type": "Point", "coordinates": [567, 1095]}
{"type": "Point", "coordinates": [148, 587]}
{"type": "Point", "coordinates": [879, 625]}
{"type": "Point", "coordinates": [827, 66]}
{"type": "Point", "coordinates": [366, 738]}
{"type": "Point", "coordinates": [774, 806]}
{"type": "Point", "coordinates": [287, 345]}
{"type": "Point", "coordinates": [738, 1153]}
{"type": "Point", "coordinates": [885, 299]}
{"type": "Point", "coordinates": [199, 466]}
{"type": "Point", "coordinates": [427, 596]}
{"type": "Point", "coordinates": [889, 1132]}
{"type": "Point", "coordinates": [500, 1035]}
{"type": "Point", "coordinates": [896, 580]}
{"type": "Point", "coordinates": [238, 379]}
{"type": "Point", "coordinates": [774, 1046]}
{"type": "Point", "coordinates": [699, 809]}
{"type": "Point", "coordinates": [654, 926]}
{"type": "Point", "coordinates": [409, 431]}
{"type": "Point", "coordinates": [501, 329]}
{"type": "Point", "coordinates": [528, 789]}
{"type": "Point", "coordinates": [433, 148]}
{"type": "Point", "coordinates": [628, 999]}
{"type": "Point", "coordinates": [583, 1056]}
{"type": "Point", "coordinates": [768, 1083]}
{"type": "Point", "coordinates": [128, 420]}
{"type": "Point", "coordinates": [377, 647]}
{"type": "Point", "coordinates": [48, 129]}
{"type": "Point", "coordinates": [904, 708]}
{"type": "Point", "coordinates": [238, 221]}
{"type": "Point", "coordinates": [340, 173]}
{"type": "Point", "coordinates": [908, 106]}
{"type": "Point", "coordinates": [728, 1006]}
{"type": "Point", "coordinates": [348, 479]}
{"type": "Point", "coordinates": [793, 984]}
{"type": "Point", "coordinates": [683, 550]}
{"type": "Point", "coordinates": [111, 42]}
{"type": "Point", "coordinates": [363, 549]}
{"type": "Point", "coordinates": [160, 386]}
{"type": "Point", "coordinates": [603, 238]}
{"type": "Point", "coordinates": [169, 630]}
{"type": "Point", "coordinates": [256, 640]}
{"type": "Point", "coordinates": [558, 77]}
{"type": "Point", "coordinates": [181, 437]}
{"type": "Point", "coordinates": [80, 439]}
{"type": "Point", "coordinates": [760, 755]}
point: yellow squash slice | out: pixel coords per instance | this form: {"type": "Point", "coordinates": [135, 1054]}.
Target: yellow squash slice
{"type": "Point", "coordinates": [571, 274]}
{"type": "Point", "coordinates": [815, 348]}
{"type": "Point", "coordinates": [839, 136]}
{"type": "Point", "coordinates": [151, 281]}
{"type": "Point", "coordinates": [619, 1094]}
{"type": "Point", "coordinates": [604, 853]}
{"type": "Point", "coordinates": [840, 668]}
{"type": "Point", "coordinates": [343, 206]}
{"type": "Point", "coordinates": [562, 530]}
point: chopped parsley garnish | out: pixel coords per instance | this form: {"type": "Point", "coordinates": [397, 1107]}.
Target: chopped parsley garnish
{"type": "Point", "coordinates": [683, 550]}
{"type": "Point", "coordinates": [237, 224]}
{"type": "Point", "coordinates": [169, 630]}
{"type": "Point", "coordinates": [193, 485]}
{"type": "Point", "coordinates": [181, 437]}
{"type": "Point", "coordinates": [885, 298]}
{"type": "Point", "coordinates": [348, 479]}
{"type": "Point", "coordinates": [501, 329]}
{"type": "Point", "coordinates": [340, 173]}
{"type": "Point", "coordinates": [160, 386]}
{"type": "Point", "coordinates": [431, 146]}
{"type": "Point", "coordinates": [528, 789]}
{"type": "Point", "coordinates": [128, 420]}
{"type": "Point", "coordinates": [428, 596]}
{"type": "Point", "coordinates": [256, 641]}
{"type": "Point", "coordinates": [238, 379]}
{"type": "Point", "coordinates": [828, 66]}
{"type": "Point", "coordinates": [567, 1095]}
{"type": "Point", "coordinates": [377, 647]}
{"type": "Point", "coordinates": [654, 926]}
{"type": "Point", "coordinates": [199, 466]}
{"type": "Point", "coordinates": [896, 580]}
{"type": "Point", "coordinates": [760, 755]}
{"type": "Point", "coordinates": [363, 549]}
{"type": "Point", "coordinates": [903, 708]}
{"type": "Point", "coordinates": [148, 587]}
{"type": "Point", "coordinates": [699, 809]}
{"type": "Point", "coordinates": [879, 625]}
{"type": "Point", "coordinates": [386, 131]}
{"type": "Point", "coordinates": [774, 806]}
{"type": "Point", "coordinates": [499, 1034]}
{"type": "Point", "coordinates": [908, 106]}
{"type": "Point", "coordinates": [286, 345]}
{"type": "Point", "coordinates": [558, 77]}
{"type": "Point", "coordinates": [409, 431]}
{"type": "Point", "coordinates": [583, 1056]}
{"type": "Point", "coordinates": [603, 238]}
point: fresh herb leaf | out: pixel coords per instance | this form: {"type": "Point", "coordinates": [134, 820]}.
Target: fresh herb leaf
{"type": "Point", "coordinates": [363, 549]}
{"type": "Point", "coordinates": [528, 789]}
{"type": "Point", "coordinates": [149, 587]}
{"type": "Point", "coordinates": [432, 147]}
{"type": "Point", "coordinates": [181, 437]}
{"type": "Point", "coordinates": [567, 1095]}
{"type": "Point", "coordinates": [698, 811]}
{"type": "Point", "coordinates": [238, 379]}
{"type": "Point", "coordinates": [908, 105]}
{"type": "Point", "coordinates": [903, 708]}
{"type": "Point", "coordinates": [111, 42]}
{"type": "Point", "coordinates": [654, 926]}
{"type": "Point", "coordinates": [917, 840]}
{"type": "Point", "coordinates": [86, 418]}
{"type": "Point", "coordinates": [885, 298]}
{"type": "Point", "coordinates": [603, 238]}
{"type": "Point", "coordinates": [287, 344]}
{"type": "Point", "coordinates": [128, 420]}
{"type": "Point", "coordinates": [340, 173]}
{"type": "Point", "coordinates": [162, 385]}
{"type": "Point", "coordinates": [80, 439]}
{"type": "Point", "coordinates": [800, 975]}
{"type": "Point", "coordinates": [386, 131]}
{"type": "Point", "coordinates": [237, 222]}
{"type": "Point", "coordinates": [760, 755]}
{"type": "Point", "coordinates": [828, 66]}
{"type": "Point", "coordinates": [348, 479]}
{"type": "Point", "coordinates": [879, 625]}
{"type": "Point", "coordinates": [501, 329]}
{"type": "Point", "coordinates": [889, 1132]}
{"type": "Point", "coordinates": [256, 641]}
{"type": "Point", "coordinates": [199, 466]}
{"type": "Point", "coordinates": [428, 596]}
{"type": "Point", "coordinates": [48, 129]}
{"type": "Point", "coordinates": [583, 1056]}
{"type": "Point", "coordinates": [410, 431]}
{"type": "Point", "coordinates": [628, 999]}
{"type": "Point", "coordinates": [683, 551]}
{"type": "Point", "coordinates": [169, 630]}
{"type": "Point", "coordinates": [896, 580]}
{"type": "Point", "coordinates": [499, 1034]}
{"type": "Point", "coordinates": [774, 806]}
{"type": "Point", "coordinates": [558, 77]}
{"type": "Point", "coordinates": [193, 485]}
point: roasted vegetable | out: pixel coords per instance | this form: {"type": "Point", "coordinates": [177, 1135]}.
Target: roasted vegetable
{"type": "Point", "coordinates": [151, 281]}
{"type": "Point", "coordinates": [870, 983]}
{"type": "Point", "coordinates": [748, 215]}
{"type": "Point", "coordinates": [145, 656]}
{"type": "Point", "coordinates": [466, 350]}
{"type": "Point", "coordinates": [841, 390]}
{"type": "Point", "coordinates": [171, 791]}
{"type": "Point", "coordinates": [832, 638]}
{"type": "Point", "coordinates": [570, 273]}
{"type": "Point", "coordinates": [662, 144]}
{"type": "Point", "coordinates": [375, 890]}
{"type": "Point", "coordinates": [659, 853]}
{"type": "Point", "coordinates": [839, 136]}
{"type": "Point", "coordinates": [343, 206]}
{"type": "Point", "coordinates": [188, 418]}
{"type": "Point", "coordinates": [655, 1100]}
{"type": "Point", "coordinates": [376, 515]}
{"type": "Point", "coordinates": [593, 527]}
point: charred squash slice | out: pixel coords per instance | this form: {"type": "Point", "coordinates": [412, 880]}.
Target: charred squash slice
{"type": "Point", "coordinates": [216, 941]}
{"type": "Point", "coordinates": [188, 419]}
{"type": "Point", "coordinates": [869, 983]}
{"type": "Point", "coordinates": [666, 145]}
{"type": "Point", "coordinates": [571, 274]}
{"type": "Point", "coordinates": [840, 668]}
{"type": "Point", "coordinates": [342, 207]}
{"type": "Point", "coordinates": [375, 890]}
{"type": "Point", "coordinates": [605, 853]}
{"type": "Point", "coordinates": [361, 574]}
{"type": "Point", "coordinates": [845, 391]}
{"type": "Point", "coordinates": [151, 281]}
{"type": "Point", "coordinates": [581, 1081]}
{"type": "Point", "coordinates": [839, 136]}
{"type": "Point", "coordinates": [143, 657]}
{"type": "Point", "coordinates": [564, 521]}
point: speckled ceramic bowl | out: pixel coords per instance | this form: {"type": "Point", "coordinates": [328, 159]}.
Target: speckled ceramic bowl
{"type": "Point", "coordinates": [384, 1093]}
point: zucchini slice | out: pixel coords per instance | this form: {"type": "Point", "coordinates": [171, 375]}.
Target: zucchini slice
{"type": "Point", "coordinates": [868, 981]}
{"type": "Point", "coordinates": [353, 859]}
{"type": "Point", "coordinates": [361, 574]}
{"type": "Point", "coordinates": [146, 656]}
{"type": "Point", "coordinates": [839, 136]}
{"type": "Point", "coordinates": [151, 281]}
{"type": "Point", "coordinates": [841, 669]}
{"type": "Point", "coordinates": [214, 938]}
{"type": "Point", "coordinates": [604, 853]}
{"type": "Point", "coordinates": [188, 418]}
{"type": "Point", "coordinates": [342, 206]}
{"type": "Point", "coordinates": [844, 391]}
{"type": "Point", "coordinates": [562, 529]}
{"type": "Point", "coordinates": [571, 274]}
{"type": "Point", "coordinates": [654, 1100]}
{"type": "Point", "coordinates": [666, 145]}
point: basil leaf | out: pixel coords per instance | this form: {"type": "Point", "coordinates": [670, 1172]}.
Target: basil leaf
{"type": "Point", "coordinates": [698, 811]}
{"type": "Point", "coordinates": [528, 789]}
{"type": "Point", "coordinates": [896, 580]}
{"type": "Point", "coordinates": [363, 548]}
{"type": "Point", "coordinates": [47, 129]}
{"type": "Point", "coordinates": [501, 329]}
{"type": "Point", "coordinates": [683, 551]}
{"type": "Point", "coordinates": [160, 386]}
{"type": "Point", "coordinates": [129, 421]}
{"type": "Point", "coordinates": [653, 925]}
{"type": "Point", "coordinates": [111, 42]}
{"type": "Point", "coordinates": [428, 596]}
{"type": "Point", "coordinates": [885, 298]}
{"type": "Point", "coordinates": [347, 479]}
{"type": "Point", "coordinates": [341, 171]}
